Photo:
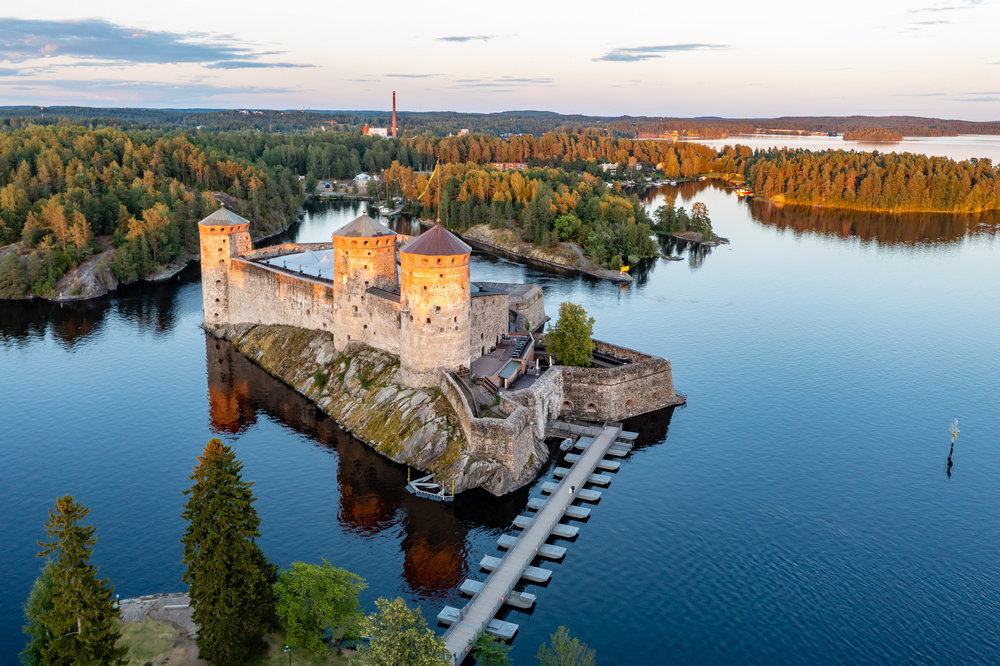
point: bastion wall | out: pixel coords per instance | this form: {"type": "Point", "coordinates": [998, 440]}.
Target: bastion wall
{"type": "Point", "coordinates": [511, 441]}
{"type": "Point", "coordinates": [489, 314]}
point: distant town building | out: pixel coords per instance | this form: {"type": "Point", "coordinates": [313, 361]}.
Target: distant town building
{"type": "Point", "coordinates": [462, 131]}
{"type": "Point", "coordinates": [376, 131]}
{"type": "Point", "coordinates": [508, 166]}
{"type": "Point", "coordinates": [362, 178]}
{"type": "Point", "coordinates": [608, 167]}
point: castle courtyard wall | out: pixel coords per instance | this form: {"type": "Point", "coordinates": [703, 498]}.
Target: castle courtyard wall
{"type": "Point", "coordinates": [488, 322]}
{"type": "Point", "coordinates": [260, 294]}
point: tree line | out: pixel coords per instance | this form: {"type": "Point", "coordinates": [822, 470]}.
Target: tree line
{"type": "Point", "coordinates": [62, 186]}
{"type": "Point", "coordinates": [873, 134]}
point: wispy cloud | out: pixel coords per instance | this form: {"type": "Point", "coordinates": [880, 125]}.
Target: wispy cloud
{"type": "Point", "coordinates": [252, 64]}
{"type": "Point", "coordinates": [492, 84]}
{"type": "Point", "coordinates": [948, 7]}
{"type": "Point", "coordinates": [990, 98]}
{"type": "Point", "coordinates": [410, 76]}
{"type": "Point", "coordinates": [637, 53]}
{"type": "Point", "coordinates": [467, 38]}
{"type": "Point", "coordinates": [918, 95]}
{"type": "Point", "coordinates": [133, 91]}
{"type": "Point", "coordinates": [102, 43]}
{"type": "Point", "coordinates": [931, 22]}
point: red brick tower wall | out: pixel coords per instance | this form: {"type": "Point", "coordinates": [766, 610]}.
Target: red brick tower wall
{"type": "Point", "coordinates": [435, 323]}
{"type": "Point", "coordinates": [219, 244]}
{"type": "Point", "coordinates": [359, 263]}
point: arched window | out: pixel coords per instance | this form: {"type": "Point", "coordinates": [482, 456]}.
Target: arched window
{"type": "Point", "coordinates": [567, 404]}
{"type": "Point", "coordinates": [591, 407]}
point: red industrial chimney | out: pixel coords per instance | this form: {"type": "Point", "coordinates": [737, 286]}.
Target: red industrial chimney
{"type": "Point", "coordinates": [393, 114]}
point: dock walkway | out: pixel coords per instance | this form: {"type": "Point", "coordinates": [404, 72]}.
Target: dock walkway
{"type": "Point", "coordinates": [481, 610]}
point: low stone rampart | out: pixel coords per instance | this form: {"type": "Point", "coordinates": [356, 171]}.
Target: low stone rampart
{"type": "Point", "coordinates": [613, 394]}
{"type": "Point", "coordinates": [510, 441]}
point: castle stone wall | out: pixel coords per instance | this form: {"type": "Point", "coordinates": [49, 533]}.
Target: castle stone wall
{"type": "Point", "coordinates": [261, 294]}
{"type": "Point", "coordinates": [359, 264]}
{"type": "Point", "coordinates": [489, 322]}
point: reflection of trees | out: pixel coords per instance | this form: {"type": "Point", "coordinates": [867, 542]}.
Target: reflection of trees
{"type": "Point", "coordinates": [884, 228]}
{"type": "Point", "coordinates": [373, 496]}
{"type": "Point", "coordinates": [149, 307]}
{"type": "Point", "coordinates": [677, 246]}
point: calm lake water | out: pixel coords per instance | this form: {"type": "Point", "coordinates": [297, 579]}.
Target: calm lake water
{"type": "Point", "coordinates": [798, 510]}
{"type": "Point", "coordinates": [956, 147]}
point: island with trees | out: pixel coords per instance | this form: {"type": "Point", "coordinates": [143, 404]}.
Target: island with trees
{"type": "Point", "coordinates": [873, 134]}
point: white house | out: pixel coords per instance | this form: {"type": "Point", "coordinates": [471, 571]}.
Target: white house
{"type": "Point", "coordinates": [362, 178]}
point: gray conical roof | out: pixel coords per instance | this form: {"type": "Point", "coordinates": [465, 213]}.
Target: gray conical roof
{"type": "Point", "coordinates": [223, 217]}
{"type": "Point", "coordinates": [363, 227]}
{"type": "Point", "coordinates": [436, 242]}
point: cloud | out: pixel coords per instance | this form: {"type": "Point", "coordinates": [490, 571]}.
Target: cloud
{"type": "Point", "coordinates": [491, 84]}
{"type": "Point", "coordinates": [637, 53]}
{"type": "Point", "coordinates": [466, 38]}
{"type": "Point", "coordinates": [364, 80]}
{"type": "Point", "coordinates": [29, 39]}
{"type": "Point", "coordinates": [931, 22]}
{"type": "Point", "coordinates": [410, 76]}
{"type": "Point", "coordinates": [986, 92]}
{"type": "Point", "coordinates": [142, 90]}
{"type": "Point", "coordinates": [975, 99]}
{"type": "Point", "coordinates": [942, 7]}
{"type": "Point", "coordinates": [246, 64]}
{"type": "Point", "coordinates": [918, 95]}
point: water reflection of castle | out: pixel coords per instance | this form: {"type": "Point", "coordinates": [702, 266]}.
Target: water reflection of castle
{"type": "Point", "coordinates": [372, 499]}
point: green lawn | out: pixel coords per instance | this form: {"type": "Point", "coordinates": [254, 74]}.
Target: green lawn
{"type": "Point", "coordinates": [161, 644]}
{"type": "Point", "coordinates": [153, 641]}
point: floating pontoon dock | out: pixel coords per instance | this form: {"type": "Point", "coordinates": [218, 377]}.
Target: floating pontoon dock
{"type": "Point", "coordinates": [489, 596]}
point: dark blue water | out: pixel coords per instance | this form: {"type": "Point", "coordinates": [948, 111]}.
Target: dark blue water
{"type": "Point", "coordinates": [798, 510]}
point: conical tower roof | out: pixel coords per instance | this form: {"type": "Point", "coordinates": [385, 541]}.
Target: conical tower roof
{"type": "Point", "coordinates": [363, 227]}
{"type": "Point", "coordinates": [223, 217]}
{"type": "Point", "coordinates": [436, 242]}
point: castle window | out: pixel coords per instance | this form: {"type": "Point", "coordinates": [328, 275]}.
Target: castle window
{"type": "Point", "coordinates": [629, 402]}
{"type": "Point", "coordinates": [453, 260]}
{"type": "Point", "coordinates": [218, 282]}
{"type": "Point", "coordinates": [365, 267]}
{"type": "Point", "coordinates": [441, 275]}
{"type": "Point", "coordinates": [482, 336]}
{"type": "Point", "coordinates": [591, 407]}
{"type": "Point", "coordinates": [439, 261]}
{"type": "Point", "coordinates": [428, 320]}
{"type": "Point", "coordinates": [425, 287]}
{"type": "Point", "coordinates": [366, 327]}
{"type": "Point", "coordinates": [355, 308]}
{"type": "Point", "coordinates": [437, 309]}
{"type": "Point", "coordinates": [216, 300]}
{"type": "Point", "coordinates": [348, 337]}
{"type": "Point", "coordinates": [220, 249]}
{"type": "Point", "coordinates": [411, 317]}
{"type": "Point", "coordinates": [366, 245]}
{"type": "Point", "coordinates": [307, 313]}
{"type": "Point", "coordinates": [366, 284]}
{"type": "Point", "coordinates": [354, 242]}
{"type": "Point", "coordinates": [456, 320]}
{"type": "Point", "coordinates": [423, 261]}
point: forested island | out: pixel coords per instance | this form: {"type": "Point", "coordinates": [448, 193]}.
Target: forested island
{"type": "Point", "coordinates": [873, 134]}
{"type": "Point", "coordinates": [130, 199]}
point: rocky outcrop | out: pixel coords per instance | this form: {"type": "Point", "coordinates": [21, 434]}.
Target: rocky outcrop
{"type": "Point", "coordinates": [91, 279]}
{"type": "Point", "coordinates": [360, 389]}
{"type": "Point", "coordinates": [564, 255]}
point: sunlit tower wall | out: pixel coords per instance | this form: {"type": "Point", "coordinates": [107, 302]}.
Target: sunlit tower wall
{"type": "Point", "coordinates": [364, 257]}
{"type": "Point", "coordinates": [223, 236]}
{"type": "Point", "coordinates": [393, 114]}
{"type": "Point", "coordinates": [435, 306]}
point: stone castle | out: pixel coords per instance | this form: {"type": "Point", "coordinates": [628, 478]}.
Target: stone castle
{"type": "Point", "coordinates": [479, 343]}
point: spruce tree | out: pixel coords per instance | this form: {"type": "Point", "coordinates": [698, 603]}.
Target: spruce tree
{"type": "Point", "coordinates": [36, 609]}
{"type": "Point", "coordinates": [229, 579]}
{"type": "Point", "coordinates": [81, 619]}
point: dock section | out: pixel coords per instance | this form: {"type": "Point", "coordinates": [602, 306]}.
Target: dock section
{"type": "Point", "coordinates": [479, 614]}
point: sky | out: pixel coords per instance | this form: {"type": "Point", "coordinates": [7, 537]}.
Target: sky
{"type": "Point", "coordinates": [721, 58]}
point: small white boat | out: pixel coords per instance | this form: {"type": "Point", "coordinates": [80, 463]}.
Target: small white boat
{"type": "Point", "coordinates": [567, 444]}
{"type": "Point", "coordinates": [385, 210]}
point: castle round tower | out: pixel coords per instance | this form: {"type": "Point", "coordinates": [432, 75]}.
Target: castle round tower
{"type": "Point", "coordinates": [364, 258]}
{"type": "Point", "coordinates": [435, 302]}
{"type": "Point", "coordinates": [223, 235]}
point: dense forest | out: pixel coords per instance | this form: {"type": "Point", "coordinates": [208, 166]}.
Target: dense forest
{"type": "Point", "coordinates": [543, 205]}
{"type": "Point", "coordinates": [442, 123]}
{"type": "Point", "coordinates": [874, 181]}
{"type": "Point", "coordinates": [62, 187]}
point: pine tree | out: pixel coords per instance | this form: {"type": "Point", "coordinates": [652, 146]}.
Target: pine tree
{"type": "Point", "coordinates": [38, 606]}
{"type": "Point", "coordinates": [81, 622]}
{"type": "Point", "coordinates": [229, 579]}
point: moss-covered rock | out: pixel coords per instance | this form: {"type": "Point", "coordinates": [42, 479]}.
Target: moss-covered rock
{"type": "Point", "coordinates": [360, 389]}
